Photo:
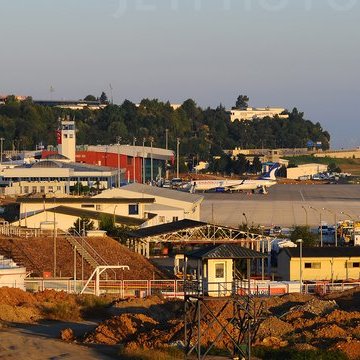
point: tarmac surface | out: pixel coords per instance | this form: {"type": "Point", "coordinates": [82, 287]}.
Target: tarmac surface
{"type": "Point", "coordinates": [284, 205]}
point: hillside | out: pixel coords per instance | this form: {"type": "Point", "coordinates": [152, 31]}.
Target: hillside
{"type": "Point", "coordinates": [36, 254]}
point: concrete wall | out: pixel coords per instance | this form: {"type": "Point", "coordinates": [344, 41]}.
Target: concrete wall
{"type": "Point", "coordinates": [340, 154]}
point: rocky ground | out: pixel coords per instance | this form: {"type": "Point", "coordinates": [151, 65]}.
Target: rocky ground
{"type": "Point", "coordinates": [293, 323]}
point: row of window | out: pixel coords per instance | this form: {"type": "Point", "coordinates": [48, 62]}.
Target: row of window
{"type": "Point", "coordinates": [40, 189]}
{"type": "Point", "coordinates": [317, 265]}
{"type": "Point", "coordinates": [133, 209]}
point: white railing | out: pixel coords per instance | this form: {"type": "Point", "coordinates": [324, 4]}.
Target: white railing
{"type": "Point", "coordinates": [175, 288]}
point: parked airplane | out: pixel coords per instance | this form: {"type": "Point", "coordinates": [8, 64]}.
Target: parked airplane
{"type": "Point", "coordinates": [264, 182]}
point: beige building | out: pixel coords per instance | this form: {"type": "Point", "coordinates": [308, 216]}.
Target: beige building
{"type": "Point", "coordinates": [326, 263]}
{"type": "Point", "coordinates": [251, 113]}
{"type": "Point", "coordinates": [306, 170]}
{"type": "Point", "coordinates": [172, 199]}
{"type": "Point", "coordinates": [340, 154]}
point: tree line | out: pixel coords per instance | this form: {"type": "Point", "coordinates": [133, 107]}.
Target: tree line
{"type": "Point", "coordinates": [203, 133]}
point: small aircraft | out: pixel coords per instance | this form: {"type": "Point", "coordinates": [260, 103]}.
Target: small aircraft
{"type": "Point", "coordinates": [263, 183]}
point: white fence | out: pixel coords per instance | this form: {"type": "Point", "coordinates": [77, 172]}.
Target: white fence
{"type": "Point", "coordinates": [175, 288]}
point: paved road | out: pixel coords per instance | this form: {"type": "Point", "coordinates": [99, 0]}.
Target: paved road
{"type": "Point", "coordinates": [284, 205]}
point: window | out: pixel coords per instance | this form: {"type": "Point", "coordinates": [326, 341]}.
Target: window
{"type": "Point", "coordinates": [34, 189]}
{"type": "Point", "coordinates": [315, 265]}
{"type": "Point", "coordinates": [42, 189]}
{"type": "Point", "coordinates": [133, 209]}
{"type": "Point", "coordinates": [161, 219]}
{"type": "Point", "coordinates": [175, 218]}
{"type": "Point", "coordinates": [26, 189]}
{"type": "Point", "coordinates": [219, 271]}
{"type": "Point", "coordinates": [98, 207]}
{"type": "Point", "coordinates": [87, 206]}
{"type": "Point", "coordinates": [350, 264]}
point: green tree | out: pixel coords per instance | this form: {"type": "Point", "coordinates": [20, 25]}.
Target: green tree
{"type": "Point", "coordinates": [82, 224]}
{"type": "Point", "coordinates": [257, 166]}
{"type": "Point", "coordinates": [107, 223]}
{"type": "Point", "coordinates": [242, 102]}
{"type": "Point", "coordinates": [332, 167]}
{"type": "Point", "coordinates": [304, 233]}
{"type": "Point", "coordinates": [90, 98]}
{"type": "Point", "coordinates": [104, 98]}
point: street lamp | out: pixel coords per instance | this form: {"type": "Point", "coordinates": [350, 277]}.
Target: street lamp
{"type": "Point", "coordinates": [247, 227]}
{"type": "Point", "coordinates": [306, 215]}
{"type": "Point", "coordinates": [151, 160]}
{"type": "Point", "coordinates": [300, 242]}
{"type": "Point", "coordinates": [134, 144]}
{"type": "Point", "coordinates": [335, 224]}
{"type": "Point", "coordinates": [118, 139]}
{"type": "Point", "coordinates": [321, 230]}
{"type": "Point", "coordinates": [1, 149]}
{"type": "Point", "coordinates": [177, 156]}
{"type": "Point", "coordinates": [143, 161]}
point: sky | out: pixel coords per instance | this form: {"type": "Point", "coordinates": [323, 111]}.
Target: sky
{"type": "Point", "coordinates": [287, 53]}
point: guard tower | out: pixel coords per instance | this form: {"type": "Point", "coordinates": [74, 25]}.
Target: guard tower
{"type": "Point", "coordinates": [66, 138]}
{"type": "Point", "coordinates": [220, 310]}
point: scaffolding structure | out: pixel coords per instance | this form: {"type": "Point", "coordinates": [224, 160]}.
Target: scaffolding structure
{"type": "Point", "coordinates": [234, 332]}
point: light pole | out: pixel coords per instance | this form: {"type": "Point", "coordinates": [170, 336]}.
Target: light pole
{"type": "Point", "coordinates": [321, 230]}
{"type": "Point", "coordinates": [118, 139]}
{"type": "Point", "coordinates": [335, 224]}
{"type": "Point", "coordinates": [166, 147]}
{"type": "Point", "coordinates": [247, 227]}
{"type": "Point", "coordinates": [1, 149]}
{"type": "Point", "coordinates": [300, 242]}
{"type": "Point", "coordinates": [143, 161]}
{"type": "Point", "coordinates": [306, 216]}
{"type": "Point", "coordinates": [151, 160]}
{"type": "Point", "coordinates": [134, 143]}
{"type": "Point", "coordinates": [177, 156]}
{"type": "Point", "coordinates": [114, 215]}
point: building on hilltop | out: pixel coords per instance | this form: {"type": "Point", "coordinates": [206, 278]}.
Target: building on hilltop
{"type": "Point", "coordinates": [251, 113]}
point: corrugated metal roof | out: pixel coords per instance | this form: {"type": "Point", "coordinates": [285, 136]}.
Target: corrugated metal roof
{"type": "Point", "coordinates": [85, 200]}
{"type": "Point", "coordinates": [166, 228]}
{"type": "Point", "coordinates": [166, 193]}
{"type": "Point", "coordinates": [323, 252]}
{"type": "Point", "coordinates": [225, 251]}
{"type": "Point", "coordinates": [96, 215]}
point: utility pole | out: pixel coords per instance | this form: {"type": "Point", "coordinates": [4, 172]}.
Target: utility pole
{"type": "Point", "coordinates": [118, 139]}
{"type": "Point", "coordinates": [177, 157]}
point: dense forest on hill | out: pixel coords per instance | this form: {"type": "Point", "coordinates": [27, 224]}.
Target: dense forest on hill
{"type": "Point", "coordinates": [202, 132]}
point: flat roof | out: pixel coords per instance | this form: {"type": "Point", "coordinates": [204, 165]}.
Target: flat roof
{"type": "Point", "coordinates": [83, 200]}
{"type": "Point", "coordinates": [166, 193]}
{"type": "Point", "coordinates": [323, 252]}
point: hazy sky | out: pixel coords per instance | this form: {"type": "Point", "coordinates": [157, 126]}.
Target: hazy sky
{"type": "Point", "coordinates": [303, 53]}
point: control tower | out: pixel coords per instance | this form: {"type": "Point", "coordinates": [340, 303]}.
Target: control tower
{"type": "Point", "coordinates": [66, 138]}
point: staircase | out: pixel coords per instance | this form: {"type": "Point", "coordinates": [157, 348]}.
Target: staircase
{"type": "Point", "coordinates": [86, 251]}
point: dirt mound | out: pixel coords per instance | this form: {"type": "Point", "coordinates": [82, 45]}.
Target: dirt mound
{"type": "Point", "coordinates": [273, 326]}
{"type": "Point", "coordinates": [15, 297]}
{"type": "Point", "coordinates": [318, 307]}
{"type": "Point", "coordinates": [36, 254]}
{"type": "Point", "coordinates": [330, 332]}
{"type": "Point", "coordinates": [350, 348]}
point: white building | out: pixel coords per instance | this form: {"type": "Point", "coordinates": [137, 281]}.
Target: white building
{"type": "Point", "coordinates": [251, 113]}
{"type": "Point", "coordinates": [189, 204]}
{"type": "Point", "coordinates": [56, 174]}
{"type": "Point", "coordinates": [305, 170]}
{"type": "Point", "coordinates": [11, 275]}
